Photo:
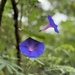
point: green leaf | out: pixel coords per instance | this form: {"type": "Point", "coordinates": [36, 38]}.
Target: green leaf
{"type": "Point", "coordinates": [16, 66]}
{"type": "Point", "coordinates": [2, 66]}
{"type": "Point", "coordinates": [1, 61]}
{"type": "Point", "coordinates": [19, 73]}
{"type": "Point", "coordinates": [61, 68]}
{"type": "Point", "coordinates": [13, 68]}
{"type": "Point", "coordinates": [9, 69]}
{"type": "Point", "coordinates": [30, 74]}
{"type": "Point", "coordinates": [39, 61]}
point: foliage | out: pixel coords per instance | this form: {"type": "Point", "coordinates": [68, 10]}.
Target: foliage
{"type": "Point", "coordinates": [58, 58]}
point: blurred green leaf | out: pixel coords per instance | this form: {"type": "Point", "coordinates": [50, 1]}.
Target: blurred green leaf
{"type": "Point", "coordinates": [2, 66]}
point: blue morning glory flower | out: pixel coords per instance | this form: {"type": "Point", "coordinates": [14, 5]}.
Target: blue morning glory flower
{"type": "Point", "coordinates": [31, 48]}
{"type": "Point", "coordinates": [51, 24]}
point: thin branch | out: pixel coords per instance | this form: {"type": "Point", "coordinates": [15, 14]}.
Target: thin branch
{"type": "Point", "coordinates": [2, 5]}
{"type": "Point", "coordinates": [14, 4]}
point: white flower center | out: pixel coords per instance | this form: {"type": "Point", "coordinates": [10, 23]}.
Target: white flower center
{"type": "Point", "coordinates": [31, 48]}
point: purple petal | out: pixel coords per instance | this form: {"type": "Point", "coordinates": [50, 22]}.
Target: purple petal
{"type": "Point", "coordinates": [24, 43]}
{"type": "Point", "coordinates": [24, 50]}
{"type": "Point", "coordinates": [33, 54]}
{"type": "Point", "coordinates": [32, 42]}
{"type": "Point", "coordinates": [38, 51]}
{"type": "Point", "coordinates": [52, 23]}
{"type": "Point", "coordinates": [37, 46]}
{"type": "Point", "coordinates": [56, 30]}
{"type": "Point", "coordinates": [40, 48]}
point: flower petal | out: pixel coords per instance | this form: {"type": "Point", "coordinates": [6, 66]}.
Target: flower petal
{"type": "Point", "coordinates": [33, 54]}
{"type": "Point", "coordinates": [24, 43]}
{"type": "Point", "coordinates": [40, 48]}
{"type": "Point", "coordinates": [37, 46]}
{"type": "Point", "coordinates": [56, 30]}
{"type": "Point", "coordinates": [52, 23]}
{"type": "Point", "coordinates": [38, 51]}
{"type": "Point", "coordinates": [24, 50]}
{"type": "Point", "coordinates": [32, 42]}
